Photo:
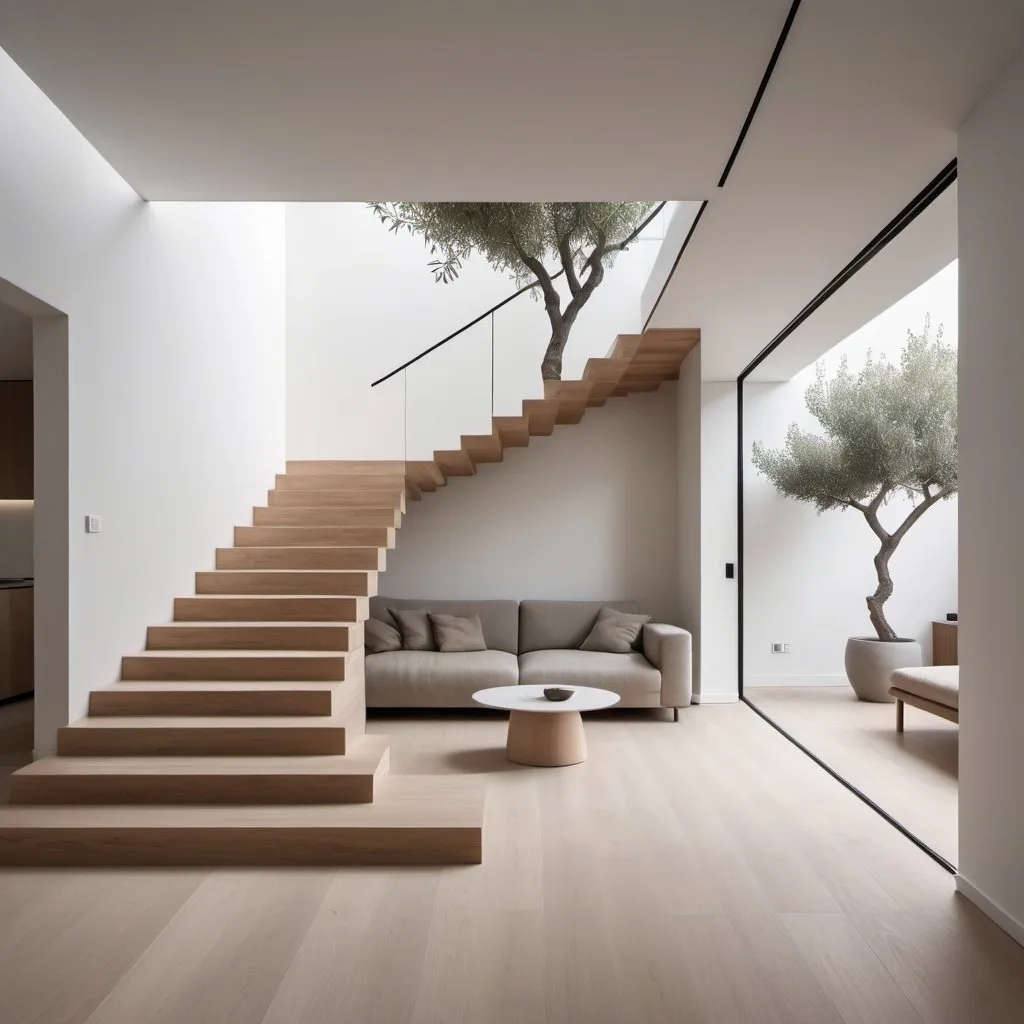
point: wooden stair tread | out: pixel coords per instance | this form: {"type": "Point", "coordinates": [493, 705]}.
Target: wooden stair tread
{"type": "Point", "coordinates": [218, 685]}
{"type": "Point", "coordinates": [209, 722]}
{"type": "Point", "coordinates": [365, 757]}
{"type": "Point", "coordinates": [406, 801]}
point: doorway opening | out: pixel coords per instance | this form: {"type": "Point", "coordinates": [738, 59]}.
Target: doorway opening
{"type": "Point", "coordinates": [34, 548]}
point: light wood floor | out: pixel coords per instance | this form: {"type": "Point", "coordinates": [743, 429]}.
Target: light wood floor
{"type": "Point", "coordinates": [704, 871]}
{"type": "Point", "coordinates": [912, 775]}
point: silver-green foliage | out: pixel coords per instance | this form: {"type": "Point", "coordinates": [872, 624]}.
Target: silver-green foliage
{"type": "Point", "coordinates": [519, 239]}
{"type": "Point", "coordinates": [887, 430]}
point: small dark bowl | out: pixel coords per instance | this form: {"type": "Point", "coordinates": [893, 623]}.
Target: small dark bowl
{"type": "Point", "coordinates": [557, 693]}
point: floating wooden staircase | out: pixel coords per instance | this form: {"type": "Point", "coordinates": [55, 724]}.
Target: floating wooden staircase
{"type": "Point", "coordinates": [636, 362]}
{"type": "Point", "coordinates": [237, 736]}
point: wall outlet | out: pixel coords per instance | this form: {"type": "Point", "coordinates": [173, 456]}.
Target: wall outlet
{"type": "Point", "coordinates": [93, 524]}
{"type": "Point", "coordinates": [778, 648]}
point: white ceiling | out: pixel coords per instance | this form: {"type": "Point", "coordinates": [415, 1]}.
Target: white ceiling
{"type": "Point", "coordinates": [402, 99]}
{"type": "Point", "coordinates": [860, 115]}
{"type": "Point", "coordinates": [583, 99]}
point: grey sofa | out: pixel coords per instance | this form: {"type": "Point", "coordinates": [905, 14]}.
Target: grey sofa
{"type": "Point", "coordinates": [530, 642]}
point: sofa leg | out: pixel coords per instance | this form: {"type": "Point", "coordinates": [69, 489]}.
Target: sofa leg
{"type": "Point", "coordinates": [675, 714]}
{"type": "Point", "coordinates": [899, 715]}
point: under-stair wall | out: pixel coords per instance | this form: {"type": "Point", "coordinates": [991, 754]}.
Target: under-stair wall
{"type": "Point", "coordinates": [589, 512]}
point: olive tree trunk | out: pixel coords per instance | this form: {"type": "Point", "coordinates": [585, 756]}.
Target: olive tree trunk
{"type": "Point", "coordinates": [876, 601]}
{"type": "Point", "coordinates": [890, 542]}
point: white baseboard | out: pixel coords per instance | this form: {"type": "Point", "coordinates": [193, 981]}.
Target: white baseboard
{"type": "Point", "coordinates": [715, 698]}
{"type": "Point", "coordinates": [1009, 924]}
{"type": "Point", "coordinates": [782, 679]}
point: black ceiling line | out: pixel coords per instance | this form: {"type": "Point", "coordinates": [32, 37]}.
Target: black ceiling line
{"type": "Point", "coordinates": [675, 263]}
{"type": "Point", "coordinates": [903, 219]}
{"type": "Point", "coordinates": [737, 145]}
{"type": "Point", "coordinates": [758, 96]}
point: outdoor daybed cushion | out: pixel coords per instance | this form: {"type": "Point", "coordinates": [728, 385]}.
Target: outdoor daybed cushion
{"type": "Point", "coordinates": [938, 683]}
{"type": "Point", "coordinates": [631, 676]}
{"type": "Point", "coordinates": [430, 679]}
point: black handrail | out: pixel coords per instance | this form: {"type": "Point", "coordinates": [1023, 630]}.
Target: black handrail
{"type": "Point", "coordinates": [504, 302]}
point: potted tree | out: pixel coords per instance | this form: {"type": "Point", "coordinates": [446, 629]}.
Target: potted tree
{"type": "Point", "coordinates": [517, 238]}
{"type": "Point", "coordinates": [886, 430]}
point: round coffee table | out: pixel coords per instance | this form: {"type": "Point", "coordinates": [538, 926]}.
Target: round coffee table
{"type": "Point", "coordinates": [541, 732]}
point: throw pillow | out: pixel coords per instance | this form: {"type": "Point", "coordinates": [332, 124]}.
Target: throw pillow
{"type": "Point", "coordinates": [456, 633]}
{"type": "Point", "coordinates": [614, 632]}
{"type": "Point", "coordinates": [414, 625]}
{"type": "Point", "coordinates": [379, 636]}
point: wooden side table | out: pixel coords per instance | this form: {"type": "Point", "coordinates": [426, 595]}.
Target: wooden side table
{"type": "Point", "coordinates": [944, 643]}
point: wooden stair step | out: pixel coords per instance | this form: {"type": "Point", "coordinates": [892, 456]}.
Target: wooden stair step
{"type": "Point", "coordinates": [212, 697]}
{"type": "Point", "coordinates": [413, 490]}
{"type": "Point", "coordinates": [314, 536]}
{"type": "Point", "coordinates": [339, 482]}
{"type": "Point", "coordinates": [572, 397]}
{"type": "Point", "coordinates": [301, 558]}
{"type": "Point", "coordinates": [345, 467]}
{"type": "Point", "coordinates": [541, 413]}
{"type": "Point", "coordinates": [310, 779]}
{"type": "Point", "coordinates": [393, 498]}
{"type": "Point", "coordinates": [315, 516]}
{"type": "Point", "coordinates": [426, 475]}
{"type": "Point", "coordinates": [270, 608]}
{"type": "Point", "coordinates": [239, 666]}
{"type": "Point", "coordinates": [514, 431]}
{"type": "Point", "coordinates": [248, 636]}
{"type": "Point", "coordinates": [413, 820]}
{"type": "Point", "coordinates": [252, 735]}
{"type": "Point", "coordinates": [455, 463]}
{"type": "Point", "coordinates": [287, 581]}
{"type": "Point", "coordinates": [483, 447]}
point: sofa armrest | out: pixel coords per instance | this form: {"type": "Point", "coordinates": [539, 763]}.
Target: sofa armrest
{"type": "Point", "coordinates": [670, 650]}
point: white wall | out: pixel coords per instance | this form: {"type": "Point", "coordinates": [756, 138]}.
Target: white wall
{"type": "Point", "coordinates": [991, 172]}
{"type": "Point", "coordinates": [807, 575]}
{"type": "Point", "coordinates": [587, 513]}
{"type": "Point", "coordinates": [688, 409]}
{"type": "Point", "coordinates": [174, 393]}
{"type": "Point", "coordinates": [719, 595]}
{"type": "Point", "coordinates": [361, 301]}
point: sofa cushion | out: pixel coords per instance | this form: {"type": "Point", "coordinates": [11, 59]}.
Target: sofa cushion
{"type": "Point", "coordinates": [429, 679]}
{"type": "Point", "coordinates": [414, 625]}
{"type": "Point", "coordinates": [500, 619]}
{"type": "Point", "coordinates": [615, 632]}
{"type": "Point", "coordinates": [631, 676]}
{"type": "Point", "coordinates": [939, 683]}
{"type": "Point", "coordinates": [381, 636]}
{"type": "Point", "coordinates": [456, 634]}
{"type": "Point", "coordinates": [561, 625]}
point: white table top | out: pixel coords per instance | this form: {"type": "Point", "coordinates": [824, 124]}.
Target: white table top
{"type": "Point", "coordinates": [531, 698]}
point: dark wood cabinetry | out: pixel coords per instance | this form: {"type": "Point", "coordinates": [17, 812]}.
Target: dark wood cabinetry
{"type": "Point", "coordinates": [16, 641]}
{"type": "Point", "coordinates": [15, 439]}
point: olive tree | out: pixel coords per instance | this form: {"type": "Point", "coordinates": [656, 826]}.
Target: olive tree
{"type": "Point", "coordinates": [517, 238]}
{"type": "Point", "coordinates": [886, 430]}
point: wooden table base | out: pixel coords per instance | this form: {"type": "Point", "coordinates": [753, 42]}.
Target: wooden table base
{"type": "Point", "coordinates": [546, 739]}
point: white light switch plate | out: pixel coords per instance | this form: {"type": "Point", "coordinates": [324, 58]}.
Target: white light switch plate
{"type": "Point", "coordinates": [93, 524]}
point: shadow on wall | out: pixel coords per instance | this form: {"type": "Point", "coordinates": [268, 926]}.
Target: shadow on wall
{"type": "Point", "coordinates": [587, 513]}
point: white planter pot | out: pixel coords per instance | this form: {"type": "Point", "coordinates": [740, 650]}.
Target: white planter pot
{"type": "Point", "coordinates": [870, 662]}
